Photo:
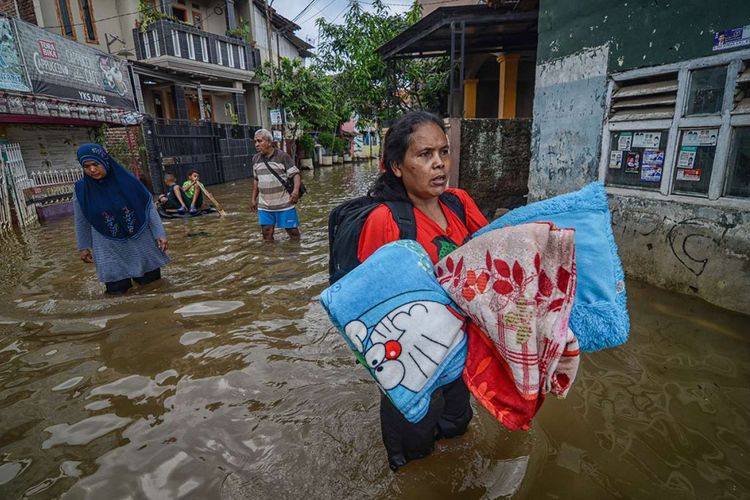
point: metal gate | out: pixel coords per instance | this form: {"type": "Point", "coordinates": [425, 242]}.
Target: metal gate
{"type": "Point", "coordinates": [15, 181]}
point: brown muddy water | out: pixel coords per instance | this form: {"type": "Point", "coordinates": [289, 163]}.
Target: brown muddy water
{"type": "Point", "coordinates": [225, 381]}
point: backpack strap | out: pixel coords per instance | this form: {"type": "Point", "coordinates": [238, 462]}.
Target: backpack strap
{"type": "Point", "coordinates": [403, 215]}
{"type": "Point", "coordinates": [453, 202]}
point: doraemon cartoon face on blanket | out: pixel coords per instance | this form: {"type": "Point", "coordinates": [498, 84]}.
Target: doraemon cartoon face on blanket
{"type": "Point", "coordinates": [400, 324]}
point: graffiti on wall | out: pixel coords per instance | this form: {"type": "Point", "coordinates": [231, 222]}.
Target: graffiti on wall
{"type": "Point", "coordinates": [692, 241]}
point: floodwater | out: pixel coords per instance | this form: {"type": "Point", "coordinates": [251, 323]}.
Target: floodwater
{"type": "Point", "coordinates": [225, 380]}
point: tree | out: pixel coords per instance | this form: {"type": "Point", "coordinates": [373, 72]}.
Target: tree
{"type": "Point", "coordinates": [379, 91]}
{"type": "Point", "coordinates": [305, 93]}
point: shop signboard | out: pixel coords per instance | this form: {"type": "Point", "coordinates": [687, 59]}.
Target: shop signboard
{"type": "Point", "coordinates": [12, 75]}
{"type": "Point", "coordinates": [63, 68]}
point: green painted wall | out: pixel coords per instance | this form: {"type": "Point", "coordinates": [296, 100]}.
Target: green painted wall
{"type": "Point", "coordinates": [641, 32]}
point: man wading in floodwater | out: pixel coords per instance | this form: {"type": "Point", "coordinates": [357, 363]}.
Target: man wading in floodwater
{"type": "Point", "coordinates": [274, 204]}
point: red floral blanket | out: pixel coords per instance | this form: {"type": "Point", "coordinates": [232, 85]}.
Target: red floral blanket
{"type": "Point", "coordinates": [517, 285]}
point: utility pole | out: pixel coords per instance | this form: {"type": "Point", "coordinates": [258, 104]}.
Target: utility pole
{"type": "Point", "coordinates": [270, 37]}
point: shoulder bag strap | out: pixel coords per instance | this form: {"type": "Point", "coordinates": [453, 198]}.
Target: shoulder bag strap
{"type": "Point", "coordinates": [286, 186]}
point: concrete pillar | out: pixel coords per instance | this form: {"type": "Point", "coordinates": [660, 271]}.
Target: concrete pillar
{"type": "Point", "coordinates": [231, 14]}
{"type": "Point", "coordinates": [470, 98]}
{"type": "Point", "coordinates": [506, 102]}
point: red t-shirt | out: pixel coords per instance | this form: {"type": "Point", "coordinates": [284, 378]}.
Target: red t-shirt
{"type": "Point", "coordinates": [380, 228]}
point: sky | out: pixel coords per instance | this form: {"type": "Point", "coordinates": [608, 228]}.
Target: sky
{"type": "Point", "coordinates": [332, 10]}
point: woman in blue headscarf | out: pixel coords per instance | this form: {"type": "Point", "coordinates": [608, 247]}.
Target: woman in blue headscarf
{"type": "Point", "coordinates": [117, 226]}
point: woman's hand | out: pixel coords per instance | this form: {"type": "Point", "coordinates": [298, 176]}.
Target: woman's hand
{"type": "Point", "coordinates": [162, 244]}
{"type": "Point", "coordinates": [294, 197]}
{"type": "Point", "coordinates": [86, 256]}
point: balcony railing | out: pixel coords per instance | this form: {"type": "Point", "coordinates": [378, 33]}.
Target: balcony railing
{"type": "Point", "coordinates": [171, 38]}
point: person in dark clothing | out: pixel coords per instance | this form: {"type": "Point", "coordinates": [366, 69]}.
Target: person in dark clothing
{"type": "Point", "coordinates": [416, 167]}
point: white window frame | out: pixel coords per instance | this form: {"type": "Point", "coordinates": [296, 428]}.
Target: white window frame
{"type": "Point", "coordinates": [204, 49]}
{"type": "Point", "coordinates": [157, 48]}
{"type": "Point", "coordinates": [725, 122]}
{"type": "Point", "coordinates": [230, 55]}
{"type": "Point", "coordinates": [146, 46]}
{"type": "Point", "coordinates": [176, 43]}
{"type": "Point", "coordinates": [242, 56]}
{"type": "Point", "coordinates": [219, 59]}
{"type": "Point", "coordinates": [191, 46]}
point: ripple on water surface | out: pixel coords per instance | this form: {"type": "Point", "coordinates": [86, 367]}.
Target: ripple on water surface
{"type": "Point", "coordinates": [223, 381]}
{"type": "Point", "coordinates": [209, 307]}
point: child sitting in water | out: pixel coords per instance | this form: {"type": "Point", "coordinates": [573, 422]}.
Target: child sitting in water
{"type": "Point", "coordinates": [180, 197]}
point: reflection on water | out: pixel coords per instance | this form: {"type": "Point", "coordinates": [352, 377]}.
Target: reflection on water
{"type": "Point", "coordinates": [224, 380]}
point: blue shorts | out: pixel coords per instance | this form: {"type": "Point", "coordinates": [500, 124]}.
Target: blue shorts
{"type": "Point", "coordinates": [285, 219]}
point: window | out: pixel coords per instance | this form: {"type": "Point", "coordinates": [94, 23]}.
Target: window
{"type": "Point", "coordinates": [695, 160]}
{"type": "Point", "coordinates": [706, 91]}
{"type": "Point", "coordinates": [738, 178]}
{"type": "Point", "coordinates": [241, 57]}
{"type": "Point", "coordinates": [89, 24]}
{"type": "Point", "coordinates": [197, 20]}
{"type": "Point", "coordinates": [179, 13]}
{"type": "Point", "coordinates": [681, 129]}
{"type": "Point", "coordinates": [637, 158]}
{"type": "Point", "coordinates": [230, 55]}
{"type": "Point", "coordinates": [65, 18]}
{"type": "Point", "coordinates": [218, 53]}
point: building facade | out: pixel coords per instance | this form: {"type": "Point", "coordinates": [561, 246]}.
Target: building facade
{"type": "Point", "coordinates": [653, 100]}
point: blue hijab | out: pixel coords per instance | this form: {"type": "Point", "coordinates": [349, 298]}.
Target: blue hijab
{"type": "Point", "coordinates": [117, 205]}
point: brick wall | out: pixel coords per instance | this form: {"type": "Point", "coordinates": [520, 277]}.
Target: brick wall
{"type": "Point", "coordinates": [25, 9]}
{"type": "Point", "coordinates": [495, 157]}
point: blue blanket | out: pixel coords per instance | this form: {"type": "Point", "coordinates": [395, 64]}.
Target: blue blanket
{"type": "Point", "coordinates": [401, 325]}
{"type": "Point", "coordinates": [600, 316]}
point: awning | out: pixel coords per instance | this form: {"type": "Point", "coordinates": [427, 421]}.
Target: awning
{"type": "Point", "coordinates": [458, 31]}
{"type": "Point", "coordinates": [27, 108]}
{"type": "Point", "coordinates": [483, 29]}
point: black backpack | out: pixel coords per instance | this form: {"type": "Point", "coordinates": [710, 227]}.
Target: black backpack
{"type": "Point", "coordinates": [346, 221]}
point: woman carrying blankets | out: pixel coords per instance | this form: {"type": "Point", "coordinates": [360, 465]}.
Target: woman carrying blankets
{"type": "Point", "coordinates": [416, 169]}
{"type": "Point", "coordinates": [117, 225]}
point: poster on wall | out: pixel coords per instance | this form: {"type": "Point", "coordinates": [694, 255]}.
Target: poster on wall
{"type": "Point", "coordinates": [63, 68]}
{"type": "Point", "coordinates": [653, 157]}
{"type": "Point", "coordinates": [646, 139]}
{"type": "Point", "coordinates": [689, 174]}
{"type": "Point", "coordinates": [277, 135]}
{"type": "Point", "coordinates": [702, 137]}
{"type": "Point", "coordinates": [275, 116]}
{"type": "Point", "coordinates": [12, 74]}
{"type": "Point", "coordinates": [615, 159]}
{"type": "Point", "coordinates": [651, 173]}
{"type": "Point", "coordinates": [687, 156]}
{"type": "Point", "coordinates": [623, 144]}
{"type": "Point", "coordinates": [632, 163]}
{"type": "Point", "coordinates": [732, 37]}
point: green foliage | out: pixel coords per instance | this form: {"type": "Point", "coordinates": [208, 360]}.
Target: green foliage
{"type": "Point", "coordinates": [306, 93]}
{"type": "Point", "coordinates": [307, 143]}
{"type": "Point", "coordinates": [242, 31]}
{"type": "Point", "coordinates": [148, 14]}
{"type": "Point", "coordinates": [327, 140]}
{"type": "Point", "coordinates": [339, 145]}
{"type": "Point", "coordinates": [378, 91]}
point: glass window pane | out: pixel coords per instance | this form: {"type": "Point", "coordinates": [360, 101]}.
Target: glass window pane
{"type": "Point", "coordinates": [636, 158]}
{"type": "Point", "coordinates": [738, 180]}
{"type": "Point", "coordinates": [695, 160]}
{"type": "Point", "coordinates": [706, 91]}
